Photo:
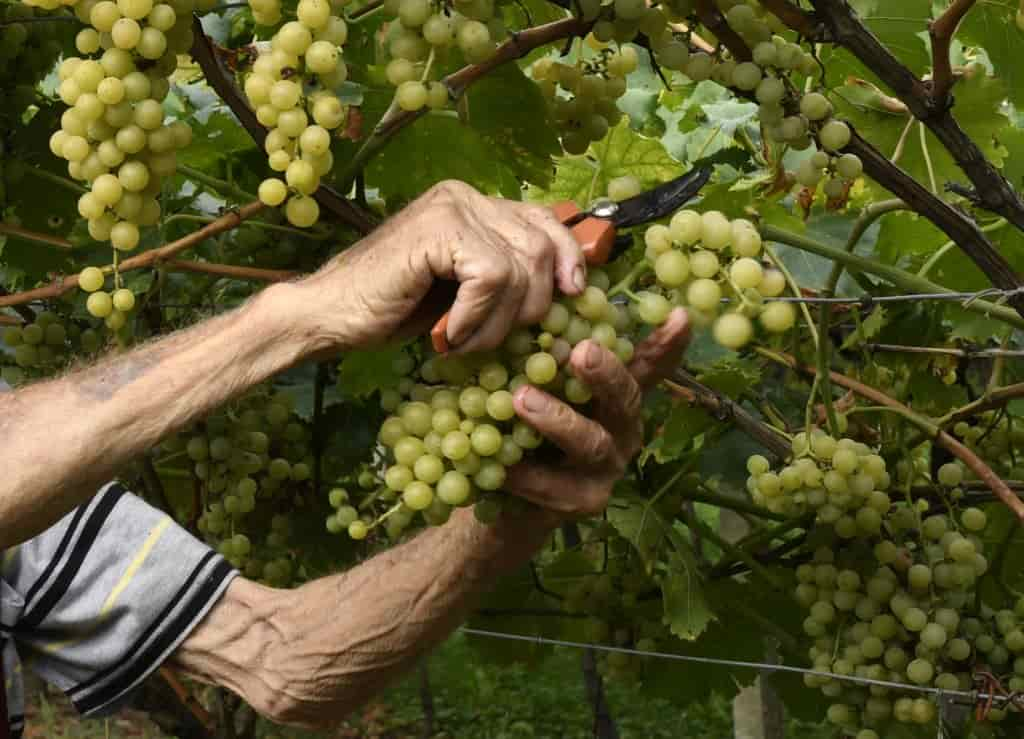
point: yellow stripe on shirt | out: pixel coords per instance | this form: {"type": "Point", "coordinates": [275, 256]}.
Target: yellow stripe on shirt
{"type": "Point", "coordinates": [119, 588]}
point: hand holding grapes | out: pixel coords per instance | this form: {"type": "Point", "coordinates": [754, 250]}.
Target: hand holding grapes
{"type": "Point", "coordinates": [507, 258]}
{"type": "Point", "coordinates": [597, 449]}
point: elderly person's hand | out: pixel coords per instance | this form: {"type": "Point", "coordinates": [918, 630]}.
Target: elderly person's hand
{"type": "Point", "coordinates": [506, 257]}
{"type": "Point", "coordinates": [597, 450]}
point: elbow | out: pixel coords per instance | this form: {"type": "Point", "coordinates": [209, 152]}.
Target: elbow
{"type": "Point", "coordinates": [285, 709]}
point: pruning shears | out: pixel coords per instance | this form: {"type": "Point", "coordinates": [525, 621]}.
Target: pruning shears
{"type": "Point", "coordinates": [595, 229]}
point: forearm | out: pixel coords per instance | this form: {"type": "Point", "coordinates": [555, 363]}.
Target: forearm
{"type": "Point", "coordinates": [64, 438]}
{"type": "Point", "coordinates": [310, 656]}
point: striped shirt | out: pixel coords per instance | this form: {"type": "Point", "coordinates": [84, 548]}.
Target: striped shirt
{"type": "Point", "coordinates": [97, 602]}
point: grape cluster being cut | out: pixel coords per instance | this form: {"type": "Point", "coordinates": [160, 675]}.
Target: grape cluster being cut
{"type": "Point", "coordinates": [291, 88]}
{"type": "Point", "coordinates": [701, 258]}
{"type": "Point", "coordinates": [453, 429]}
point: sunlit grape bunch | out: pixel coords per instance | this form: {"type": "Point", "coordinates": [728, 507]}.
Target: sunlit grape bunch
{"type": "Point", "coordinates": [292, 89]}
{"type": "Point", "coordinates": [253, 453]}
{"type": "Point", "coordinates": [453, 429]}
{"type": "Point", "coordinates": [426, 28]}
{"type": "Point", "coordinates": [701, 258]}
{"type": "Point", "coordinates": [582, 96]}
{"type": "Point", "coordinates": [842, 481]}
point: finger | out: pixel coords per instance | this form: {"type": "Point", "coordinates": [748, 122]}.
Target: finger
{"type": "Point", "coordinates": [617, 394]}
{"type": "Point", "coordinates": [483, 274]}
{"type": "Point", "coordinates": [661, 352]}
{"type": "Point", "coordinates": [582, 439]}
{"type": "Point", "coordinates": [570, 265]}
{"type": "Point", "coordinates": [557, 489]}
{"type": "Point", "coordinates": [539, 288]}
{"type": "Point", "coordinates": [502, 317]}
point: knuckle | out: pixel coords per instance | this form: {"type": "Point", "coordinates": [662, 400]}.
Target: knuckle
{"type": "Point", "coordinates": [598, 448]}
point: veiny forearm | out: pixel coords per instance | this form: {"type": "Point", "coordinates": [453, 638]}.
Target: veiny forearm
{"type": "Point", "coordinates": [62, 439]}
{"type": "Point", "coordinates": [310, 656]}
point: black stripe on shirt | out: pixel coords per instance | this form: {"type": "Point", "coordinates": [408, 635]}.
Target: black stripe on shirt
{"type": "Point", "coordinates": [65, 542]}
{"type": "Point", "coordinates": [90, 531]}
{"type": "Point", "coordinates": [172, 603]}
{"type": "Point", "coordinates": [149, 659]}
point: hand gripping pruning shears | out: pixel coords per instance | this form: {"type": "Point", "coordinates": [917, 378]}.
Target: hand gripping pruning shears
{"type": "Point", "coordinates": [595, 229]}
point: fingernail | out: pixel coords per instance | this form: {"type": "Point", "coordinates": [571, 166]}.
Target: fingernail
{"type": "Point", "coordinates": [579, 279]}
{"type": "Point", "coordinates": [593, 357]}
{"type": "Point", "coordinates": [534, 401]}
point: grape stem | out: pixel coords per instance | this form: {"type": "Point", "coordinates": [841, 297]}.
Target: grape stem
{"type": "Point", "coordinates": [226, 222]}
{"type": "Point", "coordinates": [56, 179]}
{"type": "Point", "coordinates": [261, 225]}
{"type": "Point", "coordinates": [824, 360]}
{"type": "Point", "coordinates": [864, 221]}
{"type": "Point", "coordinates": [218, 185]}
{"type": "Point", "coordinates": [40, 238]}
{"type": "Point", "coordinates": [795, 287]}
{"type": "Point", "coordinates": [905, 281]}
{"type": "Point", "coordinates": [624, 285]}
{"type": "Point", "coordinates": [369, 9]}
{"type": "Point", "coordinates": [519, 45]}
{"type": "Point", "coordinates": [930, 428]}
{"type": "Point", "coordinates": [993, 399]}
{"type": "Point", "coordinates": [731, 549]}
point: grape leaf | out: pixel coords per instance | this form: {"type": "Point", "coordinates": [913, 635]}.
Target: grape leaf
{"type": "Point", "coordinates": [622, 152]}
{"type": "Point", "coordinates": [992, 25]}
{"type": "Point", "coordinates": [868, 328]}
{"type": "Point", "coordinates": [509, 112]}
{"type": "Point", "coordinates": [683, 424]}
{"type": "Point", "coordinates": [979, 102]}
{"type": "Point", "coordinates": [365, 372]}
{"type": "Point", "coordinates": [437, 148]}
{"type": "Point", "coordinates": [687, 611]}
{"type": "Point", "coordinates": [639, 524]}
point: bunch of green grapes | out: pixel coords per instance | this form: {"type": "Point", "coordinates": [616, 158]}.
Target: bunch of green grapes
{"type": "Point", "coordinates": [291, 89]}
{"type": "Point", "coordinates": [27, 52]}
{"type": "Point", "coordinates": [254, 454]}
{"type": "Point", "coordinates": [998, 438]}
{"type": "Point", "coordinates": [837, 172]}
{"type": "Point", "coordinates": [453, 431]}
{"type": "Point", "coordinates": [900, 607]}
{"type": "Point", "coordinates": [701, 258]}
{"type": "Point", "coordinates": [113, 134]}
{"type": "Point", "coordinates": [41, 348]}
{"type": "Point", "coordinates": [844, 482]}
{"type": "Point", "coordinates": [428, 27]}
{"type": "Point", "coordinates": [582, 96]}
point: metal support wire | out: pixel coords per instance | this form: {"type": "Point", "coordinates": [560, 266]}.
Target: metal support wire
{"type": "Point", "coordinates": [968, 697]}
{"type": "Point", "coordinates": [869, 300]}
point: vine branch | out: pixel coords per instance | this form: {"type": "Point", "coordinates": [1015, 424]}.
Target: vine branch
{"type": "Point", "coordinates": [901, 279]}
{"type": "Point", "coordinates": [684, 385]}
{"type": "Point", "coordinates": [62, 285]}
{"type": "Point", "coordinates": [221, 79]}
{"type": "Point", "coordinates": [40, 238]}
{"type": "Point", "coordinates": [992, 190]}
{"type": "Point", "coordinates": [519, 45]}
{"type": "Point", "coordinates": [941, 31]}
{"type": "Point", "coordinates": [715, 22]}
{"type": "Point", "coordinates": [230, 270]}
{"type": "Point", "coordinates": [943, 439]}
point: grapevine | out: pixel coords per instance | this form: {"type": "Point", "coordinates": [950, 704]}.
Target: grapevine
{"type": "Point", "coordinates": [843, 444]}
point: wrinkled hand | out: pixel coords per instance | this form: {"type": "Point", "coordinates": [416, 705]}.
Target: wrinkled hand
{"type": "Point", "coordinates": [505, 256]}
{"type": "Point", "coordinates": [597, 450]}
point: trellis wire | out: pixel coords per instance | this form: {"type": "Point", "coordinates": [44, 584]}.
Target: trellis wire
{"type": "Point", "coordinates": [869, 300]}
{"type": "Point", "coordinates": [971, 697]}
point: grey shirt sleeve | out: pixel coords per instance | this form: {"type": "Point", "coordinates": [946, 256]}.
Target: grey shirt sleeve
{"type": "Point", "coordinates": [106, 595]}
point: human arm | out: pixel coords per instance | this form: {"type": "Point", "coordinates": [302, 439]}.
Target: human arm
{"type": "Point", "coordinates": [311, 655]}
{"type": "Point", "coordinates": [63, 439]}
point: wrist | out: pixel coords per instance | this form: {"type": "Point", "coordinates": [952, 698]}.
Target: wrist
{"type": "Point", "coordinates": [292, 325]}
